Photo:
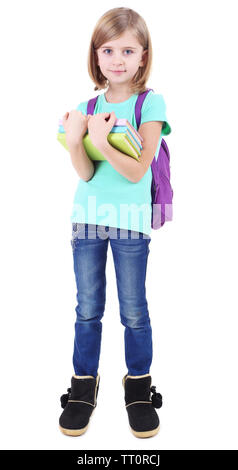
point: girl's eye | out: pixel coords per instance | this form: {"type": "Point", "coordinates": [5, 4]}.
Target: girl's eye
{"type": "Point", "coordinates": [125, 49]}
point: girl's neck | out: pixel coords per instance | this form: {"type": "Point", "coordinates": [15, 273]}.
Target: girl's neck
{"type": "Point", "coordinates": [117, 96]}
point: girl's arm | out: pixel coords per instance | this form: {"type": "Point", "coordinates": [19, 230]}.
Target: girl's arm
{"type": "Point", "coordinates": [126, 166]}
{"type": "Point", "coordinates": [81, 162]}
{"type": "Point", "coordinates": [75, 125]}
{"type": "Point", "coordinates": [133, 169]}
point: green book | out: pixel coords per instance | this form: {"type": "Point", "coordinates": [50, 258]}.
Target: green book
{"type": "Point", "coordinates": [118, 140]}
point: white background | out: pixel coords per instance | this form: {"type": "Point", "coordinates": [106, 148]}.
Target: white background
{"type": "Point", "coordinates": [192, 267]}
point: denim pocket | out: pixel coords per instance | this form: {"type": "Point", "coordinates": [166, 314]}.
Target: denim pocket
{"type": "Point", "coordinates": [148, 242]}
{"type": "Point", "coordinates": [76, 228]}
{"type": "Point", "coordinates": [72, 241]}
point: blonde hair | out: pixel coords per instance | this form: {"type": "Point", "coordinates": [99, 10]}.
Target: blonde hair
{"type": "Point", "coordinates": [111, 26]}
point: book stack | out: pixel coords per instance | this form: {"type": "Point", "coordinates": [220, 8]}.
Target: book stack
{"type": "Point", "coordinates": [123, 136]}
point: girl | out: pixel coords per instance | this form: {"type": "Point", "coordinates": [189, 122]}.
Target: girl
{"type": "Point", "coordinates": [120, 58]}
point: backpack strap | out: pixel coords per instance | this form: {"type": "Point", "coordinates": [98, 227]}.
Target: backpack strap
{"type": "Point", "coordinates": [138, 106]}
{"type": "Point", "coordinates": [91, 105]}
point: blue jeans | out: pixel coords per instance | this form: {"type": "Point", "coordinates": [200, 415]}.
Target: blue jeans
{"type": "Point", "coordinates": [89, 245]}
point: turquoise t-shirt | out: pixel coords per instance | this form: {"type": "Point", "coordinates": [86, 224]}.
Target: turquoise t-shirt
{"type": "Point", "coordinates": [109, 198]}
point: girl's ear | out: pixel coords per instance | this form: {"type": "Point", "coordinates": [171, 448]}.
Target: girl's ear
{"type": "Point", "coordinates": [144, 58]}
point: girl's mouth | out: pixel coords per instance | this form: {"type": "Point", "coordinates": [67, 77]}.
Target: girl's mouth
{"type": "Point", "coordinates": [117, 71]}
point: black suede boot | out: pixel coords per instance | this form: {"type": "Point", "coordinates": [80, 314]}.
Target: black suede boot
{"type": "Point", "coordinates": [79, 404]}
{"type": "Point", "coordinates": [143, 419]}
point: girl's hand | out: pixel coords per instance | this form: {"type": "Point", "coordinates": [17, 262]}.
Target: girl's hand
{"type": "Point", "coordinates": [99, 127]}
{"type": "Point", "coordinates": [75, 125]}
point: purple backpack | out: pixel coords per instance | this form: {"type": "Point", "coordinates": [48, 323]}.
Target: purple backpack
{"type": "Point", "coordinates": [161, 190]}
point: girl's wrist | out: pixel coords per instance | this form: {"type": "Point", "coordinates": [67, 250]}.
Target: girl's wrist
{"type": "Point", "coordinates": [99, 143]}
{"type": "Point", "coordinates": [73, 145]}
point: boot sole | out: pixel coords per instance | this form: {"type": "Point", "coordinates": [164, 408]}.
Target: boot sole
{"type": "Point", "coordinates": [145, 433]}
{"type": "Point", "coordinates": [75, 432]}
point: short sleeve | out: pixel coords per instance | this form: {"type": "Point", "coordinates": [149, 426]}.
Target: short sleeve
{"type": "Point", "coordinates": [154, 109]}
{"type": "Point", "coordinates": [82, 107]}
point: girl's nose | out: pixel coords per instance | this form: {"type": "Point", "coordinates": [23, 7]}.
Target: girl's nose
{"type": "Point", "coordinates": [118, 60]}
{"type": "Point", "coordinates": [117, 64]}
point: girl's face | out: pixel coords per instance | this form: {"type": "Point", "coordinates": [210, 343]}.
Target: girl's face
{"type": "Point", "coordinates": [124, 54]}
